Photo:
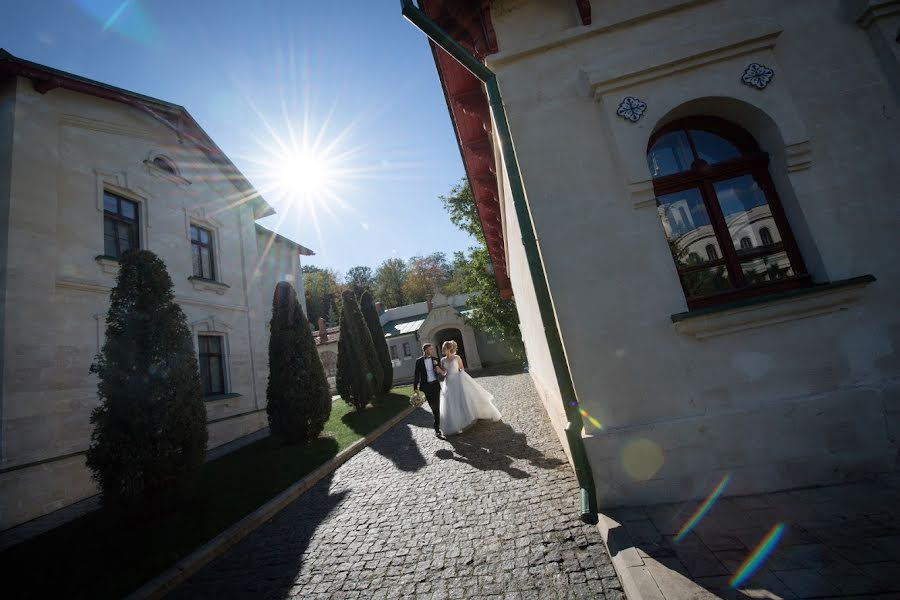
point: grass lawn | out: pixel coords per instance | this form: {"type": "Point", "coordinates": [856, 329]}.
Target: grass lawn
{"type": "Point", "coordinates": [97, 556]}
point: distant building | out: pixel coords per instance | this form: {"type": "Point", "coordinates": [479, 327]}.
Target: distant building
{"type": "Point", "coordinates": [89, 171]}
{"type": "Point", "coordinates": [436, 321]}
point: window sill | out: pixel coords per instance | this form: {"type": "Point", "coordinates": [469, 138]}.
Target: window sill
{"type": "Point", "coordinates": [210, 285]}
{"type": "Point", "coordinates": [109, 264]}
{"type": "Point", "coordinates": [767, 310]}
{"type": "Point", "coordinates": [215, 397]}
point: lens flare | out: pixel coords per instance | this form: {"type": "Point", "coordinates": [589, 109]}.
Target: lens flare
{"type": "Point", "coordinates": [759, 555]}
{"type": "Point", "coordinates": [704, 508]}
{"type": "Point", "coordinates": [594, 422]}
{"type": "Point", "coordinates": [642, 459]}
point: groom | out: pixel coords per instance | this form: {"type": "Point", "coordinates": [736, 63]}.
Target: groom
{"type": "Point", "coordinates": [426, 378]}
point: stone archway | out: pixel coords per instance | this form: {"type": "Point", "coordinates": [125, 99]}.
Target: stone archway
{"type": "Point", "coordinates": [451, 333]}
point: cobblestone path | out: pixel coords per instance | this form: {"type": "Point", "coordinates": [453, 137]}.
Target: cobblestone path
{"type": "Point", "coordinates": [491, 513]}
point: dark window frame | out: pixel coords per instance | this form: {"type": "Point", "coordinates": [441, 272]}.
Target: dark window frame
{"type": "Point", "coordinates": [118, 218]}
{"type": "Point", "coordinates": [703, 176]}
{"type": "Point", "coordinates": [407, 351]}
{"type": "Point", "coordinates": [394, 355]}
{"type": "Point", "coordinates": [204, 358]}
{"type": "Point", "coordinates": [210, 246]}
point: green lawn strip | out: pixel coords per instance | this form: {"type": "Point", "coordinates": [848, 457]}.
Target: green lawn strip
{"type": "Point", "coordinates": [98, 556]}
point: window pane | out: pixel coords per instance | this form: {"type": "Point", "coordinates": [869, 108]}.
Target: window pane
{"type": "Point", "coordinates": [688, 228]}
{"type": "Point", "coordinates": [204, 375]}
{"type": "Point", "coordinates": [129, 209]}
{"type": "Point", "coordinates": [109, 203]}
{"type": "Point", "coordinates": [746, 212]}
{"type": "Point", "coordinates": [712, 148]}
{"type": "Point", "coordinates": [195, 233]}
{"type": "Point", "coordinates": [215, 344]}
{"type": "Point", "coordinates": [125, 233]}
{"type": "Point", "coordinates": [406, 350]}
{"type": "Point", "coordinates": [670, 154]}
{"type": "Point", "coordinates": [394, 352]}
{"type": "Point", "coordinates": [772, 267]}
{"type": "Point", "coordinates": [215, 375]}
{"type": "Point", "coordinates": [705, 281]}
{"type": "Point", "coordinates": [195, 257]}
{"type": "Point", "coordinates": [206, 260]}
{"type": "Point", "coordinates": [204, 236]}
{"type": "Point", "coordinates": [109, 237]}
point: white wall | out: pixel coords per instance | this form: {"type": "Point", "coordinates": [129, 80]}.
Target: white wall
{"type": "Point", "coordinates": [67, 148]}
{"type": "Point", "coordinates": [794, 403]}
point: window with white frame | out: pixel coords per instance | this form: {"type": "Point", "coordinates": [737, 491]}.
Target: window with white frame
{"type": "Point", "coordinates": [202, 253]}
{"type": "Point", "coordinates": [121, 231]}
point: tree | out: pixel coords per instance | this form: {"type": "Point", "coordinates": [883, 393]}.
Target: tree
{"type": "Point", "coordinates": [320, 287]}
{"type": "Point", "coordinates": [459, 269]}
{"type": "Point", "coordinates": [359, 373]}
{"type": "Point", "coordinates": [490, 312]}
{"type": "Point", "coordinates": [424, 275]}
{"type": "Point", "coordinates": [299, 399]}
{"type": "Point", "coordinates": [370, 314]}
{"type": "Point", "coordinates": [359, 279]}
{"type": "Point", "coordinates": [389, 282]}
{"type": "Point", "coordinates": [150, 434]}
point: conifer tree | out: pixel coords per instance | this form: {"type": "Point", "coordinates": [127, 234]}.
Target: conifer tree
{"type": "Point", "coordinates": [359, 372]}
{"type": "Point", "coordinates": [367, 305]}
{"type": "Point", "coordinates": [150, 433]}
{"type": "Point", "coordinates": [299, 401]}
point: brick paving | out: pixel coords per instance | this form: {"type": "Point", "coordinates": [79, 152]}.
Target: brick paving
{"type": "Point", "coordinates": [491, 513]}
{"type": "Point", "coordinates": [841, 541]}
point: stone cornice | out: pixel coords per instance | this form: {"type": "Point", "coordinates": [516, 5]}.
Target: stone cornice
{"type": "Point", "coordinates": [718, 44]}
{"type": "Point", "coordinates": [85, 285]}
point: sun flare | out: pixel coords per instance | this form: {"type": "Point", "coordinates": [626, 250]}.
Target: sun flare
{"type": "Point", "coordinates": [305, 173]}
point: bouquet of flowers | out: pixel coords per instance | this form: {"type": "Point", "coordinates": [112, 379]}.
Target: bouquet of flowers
{"type": "Point", "coordinates": [417, 399]}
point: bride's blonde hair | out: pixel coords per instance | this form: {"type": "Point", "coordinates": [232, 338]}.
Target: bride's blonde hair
{"type": "Point", "coordinates": [448, 345]}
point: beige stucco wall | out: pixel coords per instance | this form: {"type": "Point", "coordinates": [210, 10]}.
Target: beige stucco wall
{"type": "Point", "coordinates": [67, 148]}
{"type": "Point", "coordinates": [792, 403]}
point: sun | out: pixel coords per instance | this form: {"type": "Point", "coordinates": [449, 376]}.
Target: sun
{"type": "Point", "coordinates": [305, 173]}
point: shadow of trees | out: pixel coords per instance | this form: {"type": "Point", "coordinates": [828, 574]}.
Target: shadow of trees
{"type": "Point", "coordinates": [268, 562]}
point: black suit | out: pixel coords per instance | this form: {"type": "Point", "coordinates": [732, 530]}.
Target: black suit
{"type": "Point", "coordinates": [431, 390]}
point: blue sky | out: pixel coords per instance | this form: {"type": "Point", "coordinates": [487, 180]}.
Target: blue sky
{"type": "Point", "coordinates": [249, 72]}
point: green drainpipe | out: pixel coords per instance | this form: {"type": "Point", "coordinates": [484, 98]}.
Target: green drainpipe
{"type": "Point", "coordinates": [529, 241]}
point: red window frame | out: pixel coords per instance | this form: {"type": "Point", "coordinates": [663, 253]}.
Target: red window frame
{"type": "Point", "coordinates": [754, 162]}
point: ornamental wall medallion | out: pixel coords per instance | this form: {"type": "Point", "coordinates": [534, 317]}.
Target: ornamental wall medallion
{"type": "Point", "coordinates": [631, 109]}
{"type": "Point", "coordinates": [757, 75]}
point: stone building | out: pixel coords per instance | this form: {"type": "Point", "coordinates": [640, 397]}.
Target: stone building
{"type": "Point", "coordinates": [708, 195]}
{"type": "Point", "coordinates": [88, 171]}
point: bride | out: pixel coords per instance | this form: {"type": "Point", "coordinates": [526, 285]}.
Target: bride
{"type": "Point", "coordinates": [463, 401]}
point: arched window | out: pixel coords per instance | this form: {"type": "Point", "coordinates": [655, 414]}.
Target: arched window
{"type": "Point", "coordinates": [164, 164]}
{"type": "Point", "coordinates": [718, 172]}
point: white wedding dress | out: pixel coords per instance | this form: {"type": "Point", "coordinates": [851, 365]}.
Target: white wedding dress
{"type": "Point", "coordinates": [463, 401]}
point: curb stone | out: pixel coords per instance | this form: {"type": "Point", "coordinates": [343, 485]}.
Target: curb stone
{"type": "Point", "coordinates": [637, 581]}
{"type": "Point", "coordinates": [199, 558]}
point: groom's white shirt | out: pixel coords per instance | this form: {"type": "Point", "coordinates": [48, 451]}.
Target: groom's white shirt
{"type": "Point", "coordinates": [429, 370]}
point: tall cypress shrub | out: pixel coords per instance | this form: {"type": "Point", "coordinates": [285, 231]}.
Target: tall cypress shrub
{"type": "Point", "coordinates": [359, 372]}
{"type": "Point", "coordinates": [299, 401]}
{"type": "Point", "coordinates": [370, 314]}
{"type": "Point", "coordinates": [149, 433]}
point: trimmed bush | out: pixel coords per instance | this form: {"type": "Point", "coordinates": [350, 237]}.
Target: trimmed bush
{"type": "Point", "coordinates": [359, 373]}
{"type": "Point", "coordinates": [299, 401]}
{"type": "Point", "coordinates": [370, 314]}
{"type": "Point", "coordinates": [149, 434]}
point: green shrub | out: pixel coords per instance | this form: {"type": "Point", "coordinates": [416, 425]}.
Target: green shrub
{"type": "Point", "coordinates": [299, 401]}
{"type": "Point", "coordinates": [358, 371]}
{"type": "Point", "coordinates": [149, 435]}
{"type": "Point", "coordinates": [370, 314]}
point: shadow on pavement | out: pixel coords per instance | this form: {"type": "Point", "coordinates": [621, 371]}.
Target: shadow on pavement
{"type": "Point", "coordinates": [491, 446]}
{"type": "Point", "coordinates": [273, 554]}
